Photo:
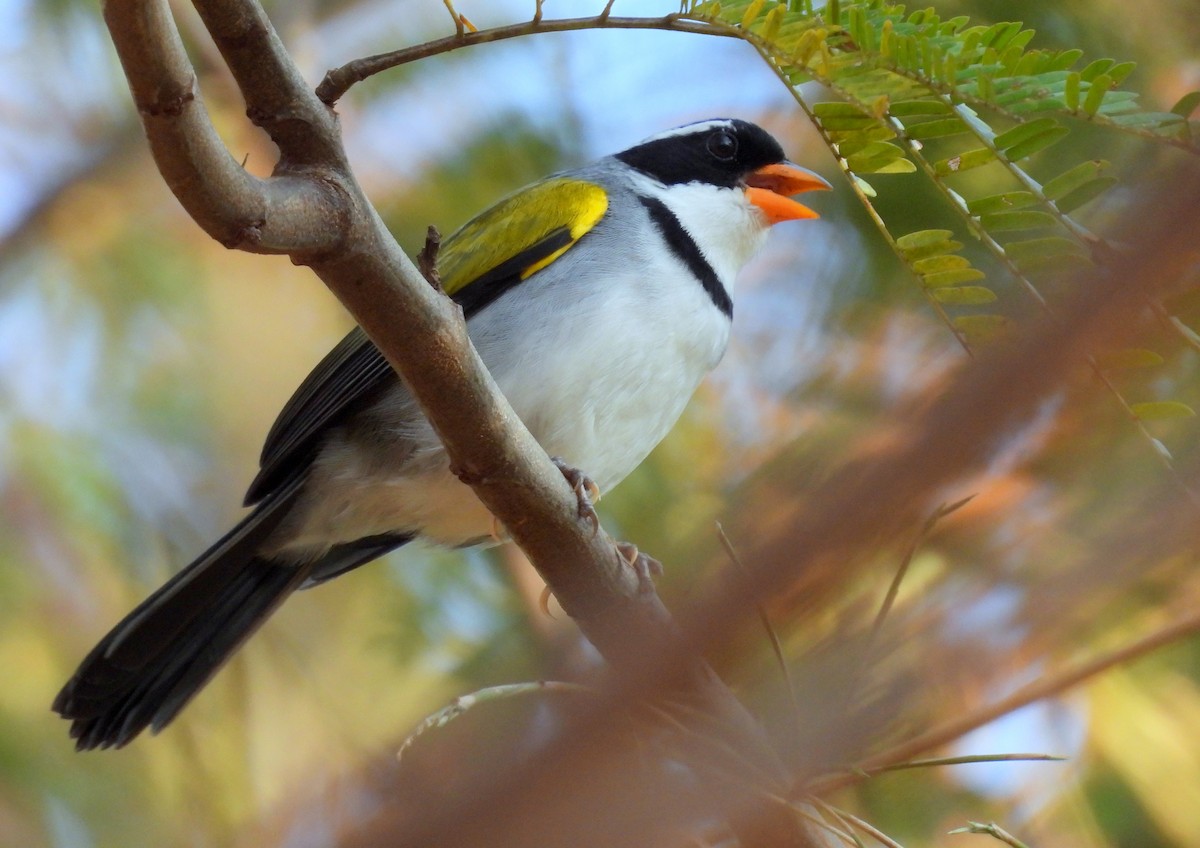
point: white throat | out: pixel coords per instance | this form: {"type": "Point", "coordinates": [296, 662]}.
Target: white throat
{"type": "Point", "coordinates": [726, 227]}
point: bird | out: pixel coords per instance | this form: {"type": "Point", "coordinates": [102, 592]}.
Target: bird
{"type": "Point", "coordinates": [598, 298]}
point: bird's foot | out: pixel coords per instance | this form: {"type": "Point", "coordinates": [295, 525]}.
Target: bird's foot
{"type": "Point", "coordinates": [646, 567]}
{"type": "Point", "coordinates": [585, 488]}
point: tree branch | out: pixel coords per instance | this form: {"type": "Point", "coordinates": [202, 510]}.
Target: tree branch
{"type": "Point", "coordinates": [339, 80]}
{"type": "Point", "coordinates": [237, 209]}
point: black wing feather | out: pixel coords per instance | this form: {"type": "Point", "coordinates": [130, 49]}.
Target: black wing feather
{"type": "Point", "coordinates": [347, 375]}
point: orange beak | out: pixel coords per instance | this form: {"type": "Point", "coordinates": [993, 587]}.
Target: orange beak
{"type": "Point", "coordinates": [770, 189]}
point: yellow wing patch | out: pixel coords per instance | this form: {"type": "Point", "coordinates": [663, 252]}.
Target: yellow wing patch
{"type": "Point", "coordinates": [518, 224]}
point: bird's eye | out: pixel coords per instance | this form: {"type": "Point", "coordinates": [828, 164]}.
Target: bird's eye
{"type": "Point", "coordinates": [723, 146]}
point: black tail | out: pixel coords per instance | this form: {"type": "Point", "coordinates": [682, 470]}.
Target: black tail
{"type": "Point", "coordinates": [161, 654]}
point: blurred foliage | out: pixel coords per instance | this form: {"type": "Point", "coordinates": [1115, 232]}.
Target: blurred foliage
{"type": "Point", "coordinates": [140, 366]}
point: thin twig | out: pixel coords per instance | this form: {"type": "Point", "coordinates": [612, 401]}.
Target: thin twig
{"type": "Point", "coordinates": [847, 835]}
{"type": "Point", "coordinates": [991, 829]}
{"type": "Point", "coordinates": [869, 829]}
{"type": "Point", "coordinates": [889, 599]}
{"type": "Point", "coordinates": [970, 759]}
{"type": "Point", "coordinates": [459, 28]}
{"type": "Point", "coordinates": [830, 810]}
{"type": "Point", "coordinates": [427, 258]}
{"type": "Point", "coordinates": [772, 634]}
{"type": "Point", "coordinates": [339, 80]}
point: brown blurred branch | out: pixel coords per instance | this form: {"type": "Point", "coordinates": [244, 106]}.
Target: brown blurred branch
{"type": "Point", "coordinates": [313, 209]}
{"type": "Point", "coordinates": [1048, 687]}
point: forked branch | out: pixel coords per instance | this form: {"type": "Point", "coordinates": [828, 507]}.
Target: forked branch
{"type": "Point", "coordinates": [313, 209]}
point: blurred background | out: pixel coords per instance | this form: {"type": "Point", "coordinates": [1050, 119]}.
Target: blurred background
{"type": "Point", "coordinates": [141, 366]}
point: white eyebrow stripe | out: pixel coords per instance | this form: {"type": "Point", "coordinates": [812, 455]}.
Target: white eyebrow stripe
{"type": "Point", "coordinates": [688, 129]}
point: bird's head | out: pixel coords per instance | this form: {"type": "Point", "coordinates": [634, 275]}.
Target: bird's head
{"type": "Point", "coordinates": [728, 153]}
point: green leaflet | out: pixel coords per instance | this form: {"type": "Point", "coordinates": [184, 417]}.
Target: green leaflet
{"type": "Point", "coordinates": [936, 264]}
{"type": "Point", "coordinates": [1040, 248]}
{"type": "Point", "coordinates": [1036, 144]}
{"type": "Point", "coordinates": [1186, 104]}
{"type": "Point", "coordinates": [1162, 409]}
{"type": "Point", "coordinates": [909, 108]}
{"type": "Point", "coordinates": [932, 250]}
{"type": "Point", "coordinates": [831, 108]}
{"type": "Point", "coordinates": [1095, 69]}
{"type": "Point", "coordinates": [1030, 219]}
{"type": "Point", "coordinates": [980, 329]}
{"type": "Point", "coordinates": [964, 161]}
{"type": "Point", "coordinates": [936, 129]}
{"type": "Point", "coordinates": [963, 295]}
{"type": "Point", "coordinates": [752, 12]}
{"type": "Point", "coordinates": [1130, 357]}
{"type": "Point", "coordinates": [1084, 193]}
{"type": "Point", "coordinates": [1001, 202]}
{"type": "Point", "coordinates": [1068, 181]}
{"type": "Point", "coordinates": [874, 157]}
{"type": "Point", "coordinates": [896, 166]}
{"type": "Point", "coordinates": [931, 254]}
{"type": "Point", "coordinates": [944, 279]}
{"type": "Point", "coordinates": [923, 238]}
{"type": "Point", "coordinates": [1071, 92]}
{"type": "Point", "coordinates": [1096, 91]}
{"type": "Point", "coordinates": [1023, 132]}
{"type": "Point", "coordinates": [1120, 71]}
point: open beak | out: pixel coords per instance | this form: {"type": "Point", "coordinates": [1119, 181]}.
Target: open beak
{"type": "Point", "coordinates": [770, 189]}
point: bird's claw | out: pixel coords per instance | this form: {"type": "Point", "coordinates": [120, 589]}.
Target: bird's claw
{"type": "Point", "coordinates": [646, 567]}
{"type": "Point", "coordinates": [585, 488]}
{"type": "Point", "coordinates": [544, 601]}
